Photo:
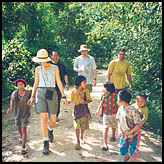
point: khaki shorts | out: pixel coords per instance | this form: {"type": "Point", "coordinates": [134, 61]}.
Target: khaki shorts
{"type": "Point", "coordinates": [89, 87]}
{"type": "Point", "coordinates": [109, 121]}
{"type": "Point", "coordinates": [81, 123]}
{"type": "Point", "coordinates": [42, 105]}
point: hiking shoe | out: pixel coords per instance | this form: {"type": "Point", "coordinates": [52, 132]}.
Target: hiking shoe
{"type": "Point", "coordinates": [45, 148]}
{"type": "Point", "coordinates": [50, 135]}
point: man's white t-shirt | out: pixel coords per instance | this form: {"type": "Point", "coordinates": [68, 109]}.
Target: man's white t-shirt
{"type": "Point", "coordinates": [87, 65]}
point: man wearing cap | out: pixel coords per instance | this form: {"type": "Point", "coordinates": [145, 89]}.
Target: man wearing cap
{"type": "Point", "coordinates": [85, 65]}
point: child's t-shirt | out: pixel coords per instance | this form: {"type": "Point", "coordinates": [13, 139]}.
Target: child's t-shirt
{"type": "Point", "coordinates": [128, 117]}
{"type": "Point", "coordinates": [76, 98]}
{"type": "Point", "coordinates": [21, 109]}
{"type": "Point", "coordinates": [109, 103]}
{"type": "Point", "coordinates": [143, 111]}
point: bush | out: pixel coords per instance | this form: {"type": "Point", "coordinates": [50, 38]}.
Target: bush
{"type": "Point", "coordinates": [16, 63]}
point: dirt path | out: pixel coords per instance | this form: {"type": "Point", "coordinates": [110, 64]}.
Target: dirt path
{"type": "Point", "coordinates": [62, 149]}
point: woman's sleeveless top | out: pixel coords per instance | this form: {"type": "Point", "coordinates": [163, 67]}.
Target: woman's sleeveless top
{"type": "Point", "coordinates": [47, 77]}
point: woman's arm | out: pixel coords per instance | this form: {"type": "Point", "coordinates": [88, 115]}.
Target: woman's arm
{"type": "Point", "coordinates": [35, 86]}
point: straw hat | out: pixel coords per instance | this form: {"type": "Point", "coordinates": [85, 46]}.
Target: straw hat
{"type": "Point", "coordinates": [42, 56]}
{"type": "Point", "coordinates": [83, 47]}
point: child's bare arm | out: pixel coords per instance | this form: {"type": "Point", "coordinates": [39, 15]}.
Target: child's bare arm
{"type": "Point", "coordinates": [67, 102]}
{"type": "Point", "coordinates": [85, 102]}
{"type": "Point", "coordinates": [120, 133]}
{"type": "Point", "coordinates": [135, 130]}
{"type": "Point", "coordinates": [99, 107]}
{"type": "Point", "coordinates": [11, 107]}
{"type": "Point", "coordinates": [143, 121]}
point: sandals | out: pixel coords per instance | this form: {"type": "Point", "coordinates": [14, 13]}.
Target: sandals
{"type": "Point", "coordinates": [105, 148]}
{"type": "Point", "coordinates": [112, 139]}
{"type": "Point", "coordinates": [122, 160]}
{"type": "Point", "coordinates": [23, 151]}
{"type": "Point", "coordinates": [77, 147]}
{"type": "Point", "coordinates": [82, 141]}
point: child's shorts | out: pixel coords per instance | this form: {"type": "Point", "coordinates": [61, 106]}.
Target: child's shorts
{"type": "Point", "coordinates": [42, 105]}
{"type": "Point", "coordinates": [21, 122]}
{"type": "Point", "coordinates": [81, 123]}
{"type": "Point", "coordinates": [109, 121]}
{"type": "Point", "coordinates": [123, 148]}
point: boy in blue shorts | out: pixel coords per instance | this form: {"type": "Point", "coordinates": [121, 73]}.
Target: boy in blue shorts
{"type": "Point", "coordinates": [129, 121]}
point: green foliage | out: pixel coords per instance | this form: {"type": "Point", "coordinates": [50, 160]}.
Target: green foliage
{"type": "Point", "coordinates": [104, 26]}
{"type": "Point", "coordinates": [16, 63]}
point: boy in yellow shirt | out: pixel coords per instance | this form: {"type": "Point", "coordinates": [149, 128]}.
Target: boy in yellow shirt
{"type": "Point", "coordinates": [81, 97]}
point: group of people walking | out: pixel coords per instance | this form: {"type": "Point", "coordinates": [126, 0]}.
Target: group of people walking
{"type": "Point", "coordinates": [48, 91]}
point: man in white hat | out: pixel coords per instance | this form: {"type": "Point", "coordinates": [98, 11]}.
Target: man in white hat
{"type": "Point", "coordinates": [85, 65]}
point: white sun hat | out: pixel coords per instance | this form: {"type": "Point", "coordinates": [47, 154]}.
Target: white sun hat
{"type": "Point", "coordinates": [42, 56]}
{"type": "Point", "coordinates": [83, 47]}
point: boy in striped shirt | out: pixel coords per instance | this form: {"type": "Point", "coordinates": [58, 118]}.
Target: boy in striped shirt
{"type": "Point", "coordinates": [109, 107]}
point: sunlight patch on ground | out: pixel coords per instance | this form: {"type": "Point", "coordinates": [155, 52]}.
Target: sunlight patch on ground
{"type": "Point", "coordinates": [86, 146]}
{"type": "Point", "coordinates": [58, 153]}
{"type": "Point", "coordinates": [14, 158]}
{"type": "Point", "coordinates": [96, 126]}
{"type": "Point", "coordinates": [146, 149]}
{"type": "Point", "coordinates": [35, 144]}
{"type": "Point", "coordinates": [158, 159]}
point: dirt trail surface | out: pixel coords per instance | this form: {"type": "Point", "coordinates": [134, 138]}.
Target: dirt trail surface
{"type": "Point", "coordinates": [62, 149]}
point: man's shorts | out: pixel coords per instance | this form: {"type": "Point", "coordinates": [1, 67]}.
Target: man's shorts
{"type": "Point", "coordinates": [81, 123]}
{"type": "Point", "coordinates": [21, 122]}
{"type": "Point", "coordinates": [109, 121]}
{"type": "Point", "coordinates": [42, 105]}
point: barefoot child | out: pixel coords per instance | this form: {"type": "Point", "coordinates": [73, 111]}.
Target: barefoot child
{"type": "Point", "coordinates": [18, 104]}
{"type": "Point", "coordinates": [129, 121]}
{"type": "Point", "coordinates": [109, 107]}
{"type": "Point", "coordinates": [81, 112]}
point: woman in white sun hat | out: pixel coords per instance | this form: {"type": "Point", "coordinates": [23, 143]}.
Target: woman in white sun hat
{"type": "Point", "coordinates": [45, 105]}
